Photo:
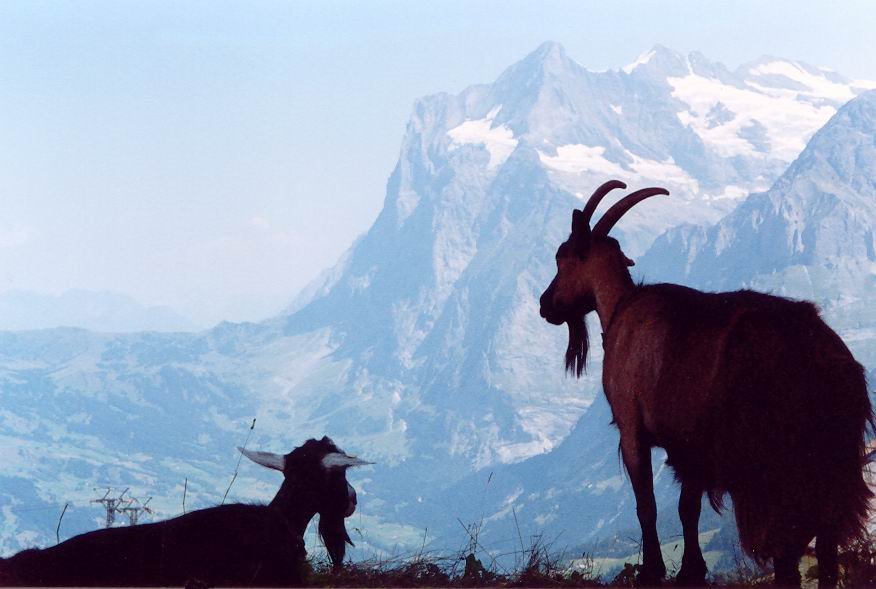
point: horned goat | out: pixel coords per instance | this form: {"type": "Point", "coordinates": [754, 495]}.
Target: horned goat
{"type": "Point", "coordinates": [240, 545]}
{"type": "Point", "coordinates": [750, 394]}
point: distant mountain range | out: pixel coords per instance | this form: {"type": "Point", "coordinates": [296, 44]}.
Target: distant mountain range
{"type": "Point", "coordinates": [96, 311]}
{"type": "Point", "coordinates": [423, 348]}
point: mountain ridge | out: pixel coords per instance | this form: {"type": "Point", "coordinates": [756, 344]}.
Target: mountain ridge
{"type": "Point", "coordinates": [95, 310]}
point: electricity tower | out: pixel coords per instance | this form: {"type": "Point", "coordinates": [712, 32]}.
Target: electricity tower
{"type": "Point", "coordinates": [131, 507]}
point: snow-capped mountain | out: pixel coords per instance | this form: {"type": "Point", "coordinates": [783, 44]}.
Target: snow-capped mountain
{"type": "Point", "coordinates": [423, 348]}
{"type": "Point", "coordinates": [812, 235]}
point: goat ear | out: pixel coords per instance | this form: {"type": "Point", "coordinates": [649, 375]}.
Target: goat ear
{"type": "Point", "coordinates": [628, 261]}
{"type": "Point", "coordinates": [341, 460]}
{"type": "Point", "coordinates": [579, 223]}
{"type": "Point", "coordinates": [268, 459]}
{"type": "Point", "coordinates": [580, 232]}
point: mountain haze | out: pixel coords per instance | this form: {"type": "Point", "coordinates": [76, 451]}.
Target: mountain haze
{"type": "Point", "coordinates": [423, 349]}
{"type": "Point", "coordinates": [97, 311]}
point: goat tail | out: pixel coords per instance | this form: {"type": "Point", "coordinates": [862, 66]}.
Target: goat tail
{"type": "Point", "coordinates": [813, 482]}
{"type": "Point", "coordinates": [847, 459]}
{"type": "Point", "coordinates": [840, 455]}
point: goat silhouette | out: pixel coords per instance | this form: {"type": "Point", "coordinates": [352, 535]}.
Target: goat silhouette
{"type": "Point", "coordinates": [750, 394]}
{"type": "Point", "coordinates": [240, 545]}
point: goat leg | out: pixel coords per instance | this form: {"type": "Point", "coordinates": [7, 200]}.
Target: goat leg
{"type": "Point", "coordinates": [637, 459]}
{"type": "Point", "coordinates": [693, 566]}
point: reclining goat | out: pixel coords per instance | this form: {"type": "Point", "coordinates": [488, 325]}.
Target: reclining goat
{"type": "Point", "coordinates": [235, 544]}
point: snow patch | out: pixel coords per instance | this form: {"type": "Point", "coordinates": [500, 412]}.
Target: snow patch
{"type": "Point", "coordinates": [617, 108]}
{"type": "Point", "coordinates": [667, 171]}
{"type": "Point", "coordinates": [787, 122]}
{"type": "Point", "coordinates": [507, 505]}
{"type": "Point", "coordinates": [545, 518]}
{"type": "Point", "coordinates": [577, 158]}
{"type": "Point", "coordinates": [511, 453]}
{"type": "Point", "coordinates": [641, 60]}
{"type": "Point", "coordinates": [614, 483]}
{"type": "Point", "coordinates": [820, 86]}
{"type": "Point", "coordinates": [730, 192]}
{"type": "Point", "coordinates": [499, 141]}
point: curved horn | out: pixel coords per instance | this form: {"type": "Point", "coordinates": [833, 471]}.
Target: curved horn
{"type": "Point", "coordinates": [342, 460]}
{"type": "Point", "coordinates": [597, 195]}
{"type": "Point", "coordinates": [618, 209]}
{"type": "Point", "coordinates": [268, 459]}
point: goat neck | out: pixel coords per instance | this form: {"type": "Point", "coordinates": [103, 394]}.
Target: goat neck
{"type": "Point", "coordinates": [610, 282]}
{"type": "Point", "coordinates": [297, 502]}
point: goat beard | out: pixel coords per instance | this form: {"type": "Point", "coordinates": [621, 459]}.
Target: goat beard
{"type": "Point", "coordinates": [334, 537]}
{"type": "Point", "coordinates": [576, 353]}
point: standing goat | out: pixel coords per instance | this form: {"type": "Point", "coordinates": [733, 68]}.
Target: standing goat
{"type": "Point", "coordinates": [750, 394]}
{"type": "Point", "coordinates": [236, 544]}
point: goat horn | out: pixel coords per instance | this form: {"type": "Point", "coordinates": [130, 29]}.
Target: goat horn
{"type": "Point", "coordinates": [597, 195]}
{"type": "Point", "coordinates": [618, 209]}
{"type": "Point", "coordinates": [342, 460]}
{"type": "Point", "coordinates": [268, 459]}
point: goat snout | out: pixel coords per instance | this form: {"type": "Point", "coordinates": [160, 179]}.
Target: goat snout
{"type": "Point", "coordinates": [548, 310]}
{"type": "Point", "coordinates": [351, 500]}
{"type": "Point", "coordinates": [544, 303]}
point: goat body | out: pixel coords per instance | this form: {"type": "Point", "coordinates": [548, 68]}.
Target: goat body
{"type": "Point", "coordinates": [230, 545]}
{"type": "Point", "coordinates": [239, 545]}
{"type": "Point", "coordinates": [750, 394]}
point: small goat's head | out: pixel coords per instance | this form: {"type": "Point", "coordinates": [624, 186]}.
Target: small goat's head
{"type": "Point", "coordinates": [582, 262]}
{"type": "Point", "coordinates": [315, 475]}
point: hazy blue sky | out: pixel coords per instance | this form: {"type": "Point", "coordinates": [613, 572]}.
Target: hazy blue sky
{"type": "Point", "coordinates": [215, 156]}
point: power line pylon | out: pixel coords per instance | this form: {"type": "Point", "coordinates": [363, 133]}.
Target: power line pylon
{"type": "Point", "coordinates": [134, 508]}
{"type": "Point", "coordinates": [111, 505]}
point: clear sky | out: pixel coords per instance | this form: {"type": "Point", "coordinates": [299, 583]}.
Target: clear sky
{"type": "Point", "coordinates": [215, 156]}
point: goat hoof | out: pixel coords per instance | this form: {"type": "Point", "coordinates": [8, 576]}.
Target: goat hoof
{"type": "Point", "coordinates": [651, 577]}
{"type": "Point", "coordinates": [688, 577]}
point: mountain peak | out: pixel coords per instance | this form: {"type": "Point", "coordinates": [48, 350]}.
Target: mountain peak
{"type": "Point", "coordinates": [843, 150]}
{"type": "Point", "coordinates": [660, 58]}
{"type": "Point", "coordinates": [664, 51]}
{"type": "Point", "coordinates": [522, 83]}
{"type": "Point", "coordinates": [548, 51]}
{"type": "Point", "coordinates": [550, 57]}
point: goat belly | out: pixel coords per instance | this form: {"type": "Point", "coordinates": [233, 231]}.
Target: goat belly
{"type": "Point", "coordinates": [240, 545]}
{"type": "Point", "coordinates": [248, 545]}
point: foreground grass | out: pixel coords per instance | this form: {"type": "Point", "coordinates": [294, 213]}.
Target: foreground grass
{"type": "Point", "coordinates": [539, 567]}
{"type": "Point", "coordinates": [430, 571]}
